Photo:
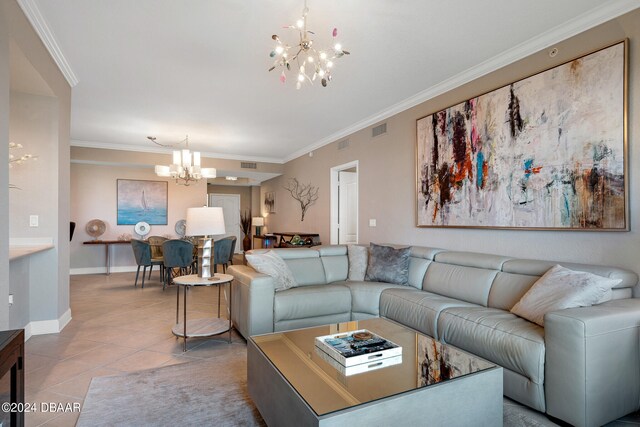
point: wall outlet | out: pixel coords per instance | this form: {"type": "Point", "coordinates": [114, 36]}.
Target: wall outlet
{"type": "Point", "coordinates": [372, 223]}
{"type": "Point", "coordinates": [10, 302]}
{"type": "Point", "coordinates": [33, 220]}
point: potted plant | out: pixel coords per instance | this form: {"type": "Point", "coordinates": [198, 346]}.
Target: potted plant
{"type": "Point", "coordinates": [245, 225]}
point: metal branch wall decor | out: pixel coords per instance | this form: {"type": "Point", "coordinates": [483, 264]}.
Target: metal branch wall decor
{"type": "Point", "coordinates": [306, 194]}
{"type": "Point", "coordinates": [545, 152]}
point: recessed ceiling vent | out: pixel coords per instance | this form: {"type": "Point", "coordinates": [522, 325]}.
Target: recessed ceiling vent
{"type": "Point", "coordinates": [343, 144]}
{"type": "Point", "coordinates": [379, 130]}
{"type": "Point", "coordinates": [248, 165]}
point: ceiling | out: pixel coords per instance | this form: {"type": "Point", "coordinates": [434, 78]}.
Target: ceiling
{"type": "Point", "coordinates": [199, 67]}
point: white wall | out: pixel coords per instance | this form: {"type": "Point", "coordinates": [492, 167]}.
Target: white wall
{"type": "Point", "coordinates": [93, 196]}
{"type": "Point", "coordinates": [387, 174]}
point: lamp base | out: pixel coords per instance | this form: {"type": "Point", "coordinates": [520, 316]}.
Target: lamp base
{"type": "Point", "coordinates": [205, 258]}
{"type": "Point", "coordinates": [258, 230]}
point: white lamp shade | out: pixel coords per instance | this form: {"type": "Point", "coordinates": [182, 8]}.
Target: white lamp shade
{"type": "Point", "coordinates": [205, 222]}
{"type": "Point", "coordinates": [257, 221]}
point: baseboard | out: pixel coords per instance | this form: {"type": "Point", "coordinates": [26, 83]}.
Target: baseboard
{"type": "Point", "coordinates": [103, 270]}
{"type": "Point", "coordinates": [41, 327]}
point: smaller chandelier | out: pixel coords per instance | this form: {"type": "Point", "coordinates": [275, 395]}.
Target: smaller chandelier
{"type": "Point", "coordinates": [306, 60]}
{"type": "Point", "coordinates": [13, 160]}
{"type": "Point", "coordinates": [185, 168]}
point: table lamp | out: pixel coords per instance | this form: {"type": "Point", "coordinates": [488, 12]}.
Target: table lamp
{"type": "Point", "coordinates": [257, 222]}
{"type": "Point", "coordinates": [205, 222]}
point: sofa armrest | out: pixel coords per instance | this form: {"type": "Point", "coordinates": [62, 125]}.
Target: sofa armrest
{"type": "Point", "coordinates": [253, 294]}
{"type": "Point", "coordinates": [592, 369]}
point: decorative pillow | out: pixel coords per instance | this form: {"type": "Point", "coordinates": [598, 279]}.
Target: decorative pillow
{"type": "Point", "coordinates": [561, 288]}
{"type": "Point", "coordinates": [358, 256]}
{"type": "Point", "coordinates": [387, 264]}
{"type": "Point", "coordinates": [272, 264]}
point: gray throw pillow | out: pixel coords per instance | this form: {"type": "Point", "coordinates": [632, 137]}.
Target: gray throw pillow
{"type": "Point", "coordinates": [358, 256]}
{"type": "Point", "coordinates": [561, 288]}
{"type": "Point", "coordinates": [387, 264]}
{"type": "Point", "coordinates": [272, 264]}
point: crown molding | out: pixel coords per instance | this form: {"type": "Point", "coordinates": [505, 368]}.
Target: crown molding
{"type": "Point", "coordinates": [599, 15]}
{"type": "Point", "coordinates": [39, 24]}
{"type": "Point", "coordinates": [159, 150]}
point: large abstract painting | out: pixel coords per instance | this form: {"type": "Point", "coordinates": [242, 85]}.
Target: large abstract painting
{"type": "Point", "coordinates": [546, 152]}
{"type": "Point", "coordinates": [142, 201]}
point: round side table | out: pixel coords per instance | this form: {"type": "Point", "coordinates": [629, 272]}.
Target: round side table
{"type": "Point", "coordinates": [201, 327]}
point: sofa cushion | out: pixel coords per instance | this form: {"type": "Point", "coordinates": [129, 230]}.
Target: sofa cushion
{"type": "Point", "coordinates": [498, 336]}
{"type": "Point", "coordinates": [387, 264]}
{"type": "Point", "coordinates": [561, 288]}
{"type": "Point", "coordinates": [416, 309]}
{"type": "Point", "coordinates": [305, 264]}
{"type": "Point", "coordinates": [471, 284]}
{"type": "Point", "coordinates": [271, 264]}
{"type": "Point", "coordinates": [311, 301]}
{"type": "Point", "coordinates": [358, 260]}
{"type": "Point", "coordinates": [365, 296]}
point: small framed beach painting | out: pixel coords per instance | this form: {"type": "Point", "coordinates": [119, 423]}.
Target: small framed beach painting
{"type": "Point", "coordinates": [140, 200]}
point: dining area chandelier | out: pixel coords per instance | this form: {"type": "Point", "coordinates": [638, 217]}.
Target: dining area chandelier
{"type": "Point", "coordinates": [186, 166]}
{"type": "Point", "coordinates": [302, 57]}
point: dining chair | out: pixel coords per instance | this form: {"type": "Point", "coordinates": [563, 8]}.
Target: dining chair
{"type": "Point", "coordinates": [176, 253]}
{"type": "Point", "coordinates": [233, 249]}
{"type": "Point", "coordinates": [142, 254]}
{"type": "Point", "coordinates": [156, 252]}
{"type": "Point", "coordinates": [221, 251]}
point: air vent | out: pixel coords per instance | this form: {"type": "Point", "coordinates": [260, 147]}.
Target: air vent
{"type": "Point", "coordinates": [379, 130]}
{"type": "Point", "coordinates": [248, 165]}
{"type": "Point", "coordinates": [343, 144]}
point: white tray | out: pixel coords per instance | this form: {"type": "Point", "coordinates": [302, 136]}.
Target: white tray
{"type": "Point", "coordinates": [356, 360]}
{"type": "Point", "coordinates": [361, 368]}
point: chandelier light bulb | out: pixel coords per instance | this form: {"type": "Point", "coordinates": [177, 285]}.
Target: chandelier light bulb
{"type": "Point", "coordinates": [303, 52]}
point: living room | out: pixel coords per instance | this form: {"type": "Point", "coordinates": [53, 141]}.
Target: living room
{"type": "Point", "coordinates": [74, 178]}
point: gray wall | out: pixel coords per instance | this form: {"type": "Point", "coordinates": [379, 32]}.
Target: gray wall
{"type": "Point", "coordinates": [387, 173]}
{"type": "Point", "coordinates": [54, 300]}
{"type": "Point", "coordinates": [4, 171]}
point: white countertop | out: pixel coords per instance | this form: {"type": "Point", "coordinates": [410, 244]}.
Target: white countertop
{"type": "Point", "coordinates": [19, 248]}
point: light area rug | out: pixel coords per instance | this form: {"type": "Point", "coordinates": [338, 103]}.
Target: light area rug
{"type": "Point", "coordinates": [210, 392]}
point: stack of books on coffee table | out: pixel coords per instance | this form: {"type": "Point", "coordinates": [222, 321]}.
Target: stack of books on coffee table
{"type": "Point", "coordinates": [355, 352]}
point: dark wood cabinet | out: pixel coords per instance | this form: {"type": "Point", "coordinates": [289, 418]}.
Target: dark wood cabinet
{"type": "Point", "coordinates": [12, 365]}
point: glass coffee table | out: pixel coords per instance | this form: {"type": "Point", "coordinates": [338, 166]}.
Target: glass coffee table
{"type": "Point", "coordinates": [292, 382]}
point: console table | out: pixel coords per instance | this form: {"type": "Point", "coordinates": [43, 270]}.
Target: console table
{"type": "Point", "coordinates": [264, 241]}
{"type": "Point", "coordinates": [12, 363]}
{"type": "Point", "coordinates": [107, 243]}
{"type": "Point", "coordinates": [285, 239]}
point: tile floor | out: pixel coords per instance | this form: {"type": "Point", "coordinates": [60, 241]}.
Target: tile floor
{"type": "Point", "coordinates": [116, 328]}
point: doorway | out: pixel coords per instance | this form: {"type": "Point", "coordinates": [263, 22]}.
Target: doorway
{"type": "Point", "coordinates": [230, 204]}
{"type": "Point", "coordinates": [344, 204]}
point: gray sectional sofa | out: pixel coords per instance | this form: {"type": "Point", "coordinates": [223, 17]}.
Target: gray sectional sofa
{"type": "Point", "coordinates": [583, 367]}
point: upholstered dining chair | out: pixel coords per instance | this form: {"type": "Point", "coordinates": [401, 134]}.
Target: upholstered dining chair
{"type": "Point", "coordinates": [233, 249]}
{"type": "Point", "coordinates": [156, 252]}
{"type": "Point", "coordinates": [221, 251]}
{"type": "Point", "coordinates": [142, 254]}
{"type": "Point", "coordinates": [176, 254]}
